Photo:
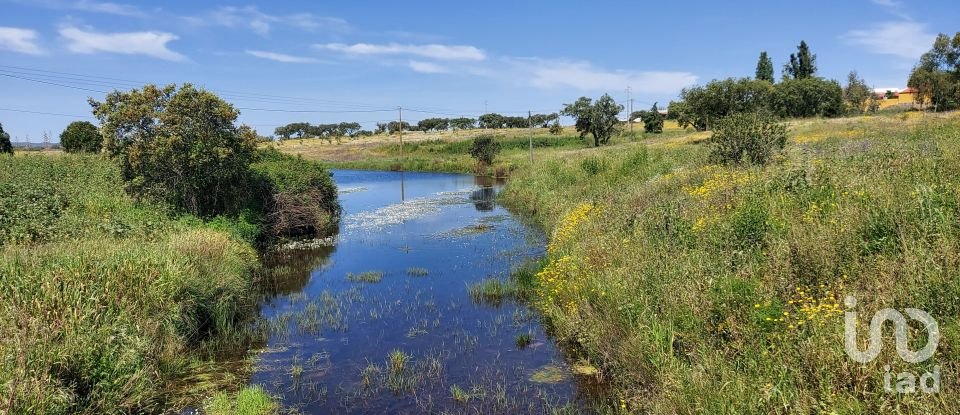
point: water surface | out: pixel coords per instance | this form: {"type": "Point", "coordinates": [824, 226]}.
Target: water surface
{"type": "Point", "coordinates": [394, 282]}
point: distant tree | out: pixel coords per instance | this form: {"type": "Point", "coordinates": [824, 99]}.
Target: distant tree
{"type": "Point", "coordinates": [653, 120]}
{"type": "Point", "coordinates": [491, 120]}
{"type": "Point", "coordinates": [556, 128]}
{"type": "Point", "coordinates": [720, 98]}
{"type": "Point", "coordinates": [856, 94]}
{"type": "Point", "coordinates": [543, 120]}
{"type": "Point", "coordinates": [433, 124]}
{"type": "Point", "coordinates": [284, 132]}
{"type": "Point", "coordinates": [937, 76]}
{"type": "Point", "coordinates": [802, 65]}
{"type": "Point", "coordinates": [394, 126]}
{"type": "Point", "coordinates": [6, 147]}
{"type": "Point", "coordinates": [808, 97]}
{"type": "Point", "coordinates": [599, 119]}
{"type": "Point", "coordinates": [348, 129]}
{"type": "Point", "coordinates": [764, 68]}
{"type": "Point", "coordinates": [81, 137]}
{"type": "Point", "coordinates": [484, 149]}
{"type": "Point", "coordinates": [381, 128]}
{"type": "Point", "coordinates": [363, 133]}
{"type": "Point", "coordinates": [462, 123]}
{"type": "Point", "coordinates": [516, 122]}
{"type": "Point", "coordinates": [889, 94]}
{"type": "Point", "coordinates": [873, 104]}
{"type": "Point", "coordinates": [179, 145]}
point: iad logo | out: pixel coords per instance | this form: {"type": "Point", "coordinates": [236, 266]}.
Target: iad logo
{"type": "Point", "coordinates": [906, 381]}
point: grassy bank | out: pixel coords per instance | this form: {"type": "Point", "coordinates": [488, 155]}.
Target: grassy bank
{"type": "Point", "coordinates": [706, 289]}
{"type": "Point", "coordinates": [113, 305]}
{"type": "Point", "coordinates": [444, 152]}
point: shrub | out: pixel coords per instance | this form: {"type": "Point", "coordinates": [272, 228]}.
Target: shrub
{"type": "Point", "coordinates": [5, 146]}
{"type": "Point", "coordinates": [593, 165]}
{"type": "Point", "coordinates": [484, 149]}
{"type": "Point", "coordinates": [555, 128]}
{"type": "Point", "coordinates": [298, 196]}
{"type": "Point", "coordinates": [81, 137]}
{"type": "Point", "coordinates": [748, 137]}
{"type": "Point", "coordinates": [808, 97]}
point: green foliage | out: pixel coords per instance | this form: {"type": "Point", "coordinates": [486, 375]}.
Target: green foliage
{"type": "Point", "coordinates": [857, 94]}
{"type": "Point", "coordinates": [556, 128]}
{"type": "Point", "coordinates": [593, 165]}
{"type": "Point", "coordinates": [937, 75]}
{"type": "Point", "coordinates": [180, 146]}
{"type": "Point", "coordinates": [802, 65]}
{"type": "Point", "coordinates": [251, 400]}
{"type": "Point", "coordinates": [298, 196]}
{"type": "Point", "coordinates": [747, 137]}
{"type": "Point", "coordinates": [702, 105]}
{"type": "Point", "coordinates": [81, 137]}
{"type": "Point", "coordinates": [598, 119]}
{"type": "Point", "coordinates": [653, 120]}
{"type": "Point", "coordinates": [462, 123]}
{"type": "Point", "coordinates": [484, 149]}
{"type": "Point", "coordinates": [764, 68]}
{"type": "Point", "coordinates": [433, 124]}
{"type": "Point", "coordinates": [491, 120]}
{"type": "Point", "coordinates": [808, 97]}
{"type": "Point", "coordinates": [5, 146]}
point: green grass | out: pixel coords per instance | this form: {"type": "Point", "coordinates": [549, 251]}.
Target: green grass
{"type": "Point", "coordinates": [109, 303]}
{"type": "Point", "coordinates": [418, 272]}
{"type": "Point", "coordinates": [366, 276]}
{"type": "Point", "coordinates": [252, 400]}
{"type": "Point", "coordinates": [492, 290]}
{"type": "Point", "coordinates": [673, 276]}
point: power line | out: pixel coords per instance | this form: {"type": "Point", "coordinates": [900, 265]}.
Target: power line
{"type": "Point", "coordinates": [45, 113]}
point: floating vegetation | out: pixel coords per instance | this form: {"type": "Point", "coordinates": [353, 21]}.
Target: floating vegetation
{"type": "Point", "coordinates": [401, 212]}
{"type": "Point", "coordinates": [348, 190]}
{"type": "Point", "coordinates": [523, 340]}
{"type": "Point", "coordinates": [549, 374]}
{"type": "Point", "coordinates": [491, 291]}
{"type": "Point", "coordinates": [368, 276]}
{"type": "Point", "coordinates": [459, 395]}
{"type": "Point", "coordinates": [417, 272]}
{"type": "Point", "coordinates": [475, 229]}
{"type": "Point", "coordinates": [584, 369]}
{"type": "Point", "coordinates": [303, 244]}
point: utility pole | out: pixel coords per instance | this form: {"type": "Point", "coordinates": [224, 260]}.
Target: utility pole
{"type": "Point", "coordinates": [530, 124]}
{"type": "Point", "coordinates": [400, 126]}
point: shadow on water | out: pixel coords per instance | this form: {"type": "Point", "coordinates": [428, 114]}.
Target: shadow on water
{"type": "Point", "coordinates": [383, 318]}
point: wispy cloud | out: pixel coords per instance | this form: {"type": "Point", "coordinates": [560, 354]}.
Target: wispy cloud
{"type": "Point", "coordinates": [904, 39]}
{"type": "Point", "coordinates": [426, 67]}
{"type": "Point", "coordinates": [91, 6]}
{"type": "Point", "coordinates": [584, 76]}
{"type": "Point", "coordinates": [153, 44]}
{"type": "Point", "coordinates": [432, 51]}
{"type": "Point", "coordinates": [280, 57]}
{"type": "Point", "coordinates": [250, 17]}
{"type": "Point", "coordinates": [19, 40]}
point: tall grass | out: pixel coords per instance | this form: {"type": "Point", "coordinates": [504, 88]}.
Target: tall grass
{"type": "Point", "coordinates": [709, 289]}
{"type": "Point", "coordinates": [107, 302]}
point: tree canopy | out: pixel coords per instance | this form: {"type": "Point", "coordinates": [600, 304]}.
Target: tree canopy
{"type": "Point", "coordinates": [802, 65]}
{"type": "Point", "coordinates": [179, 145]}
{"type": "Point", "coordinates": [856, 94]}
{"type": "Point", "coordinates": [81, 137]}
{"type": "Point", "coordinates": [937, 76]}
{"type": "Point", "coordinates": [6, 147]}
{"type": "Point", "coordinates": [598, 119]}
{"type": "Point", "coordinates": [764, 68]}
{"type": "Point", "coordinates": [653, 120]}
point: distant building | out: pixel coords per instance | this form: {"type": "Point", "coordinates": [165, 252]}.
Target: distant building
{"type": "Point", "coordinates": [892, 97]}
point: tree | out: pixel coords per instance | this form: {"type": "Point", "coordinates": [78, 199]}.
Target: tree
{"type": "Point", "coordinates": [6, 147]}
{"type": "Point", "coordinates": [433, 124]}
{"type": "Point", "coordinates": [653, 120]}
{"type": "Point", "coordinates": [491, 120]}
{"type": "Point", "coordinates": [599, 119]}
{"type": "Point", "coordinates": [381, 128]}
{"type": "Point", "coordinates": [802, 65]}
{"type": "Point", "coordinates": [484, 149]}
{"type": "Point", "coordinates": [462, 123]}
{"type": "Point", "coordinates": [81, 137]}
{"type": "Point", "coordinates": [181, 146]}
{"type": "Point", "coordinates": [809, 97]}
{"type": "Point", "coordinates": [394, 126]}
{"type": "Point", "coordinates": [764, 68]}
{"type": "Point", "coordinates": [556, 128]}
{"type": "Point", "coordinates": [720, 98]}
{"type": "Point", "coordinates": [937, 76]}
{"type": "Point", "coordinates": [856, 94]}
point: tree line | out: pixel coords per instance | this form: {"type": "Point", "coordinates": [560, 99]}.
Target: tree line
{"type": "Point", "coordinates": [352, 129]}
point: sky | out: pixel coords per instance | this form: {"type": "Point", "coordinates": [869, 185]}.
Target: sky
{"type": "Point", "coordinates": [331, 61]}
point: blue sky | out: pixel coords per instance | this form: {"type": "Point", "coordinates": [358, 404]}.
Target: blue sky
{"type": "Point", "coordinates": [439, 58]}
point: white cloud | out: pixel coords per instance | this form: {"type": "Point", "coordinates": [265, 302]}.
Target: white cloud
{"type": "Point", "coordinates": [261, 23]}
{"type": "Point", "coordinates": [904, 39]}
{"type": "Point", "coordinates": [426, 67]}
{"type": "Point", "coordinates": [108, 8]}
{"type": "Point", "coordinates": [581, 75]}
{"type": "Point", "coordinates": [432, 51]}
{"type": "Point", "coordinates": [19, 40]}
{"type": "Point", "coordinates": [280, 57]}
{"type": "Point", "coordinates": [153, 44]}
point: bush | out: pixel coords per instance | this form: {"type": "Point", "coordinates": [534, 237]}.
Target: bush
{"type": "Point", "coordinates": [81, 137]}
{"type": "Point", "coordinates": [808, 97]}
{"type": "Point", "coordinates": [5, 146]}
{"type": "Point", "coordinates": [484, 149]}
{"type": "Point", "coordinates": [298, 196]}
{"type": "Point", "coordinates": [749, 137]}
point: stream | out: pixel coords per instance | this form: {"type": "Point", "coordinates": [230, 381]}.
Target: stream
{"type": "Point", "coordinates": [380, 319]}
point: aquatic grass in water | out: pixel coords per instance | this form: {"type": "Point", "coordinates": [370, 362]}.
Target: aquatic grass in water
{"type": "Point", "coordinates": [368, 276]}
{"type": "Point", "coordinates": [417, 272]}
{"type": "Point", "coordinates": [491, 291]}
{"type": "Point", "coordinates": [252, 400]}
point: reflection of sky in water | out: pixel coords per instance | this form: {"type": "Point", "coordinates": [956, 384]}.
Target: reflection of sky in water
{"type": "Point", "coordinates": [447, 225]}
